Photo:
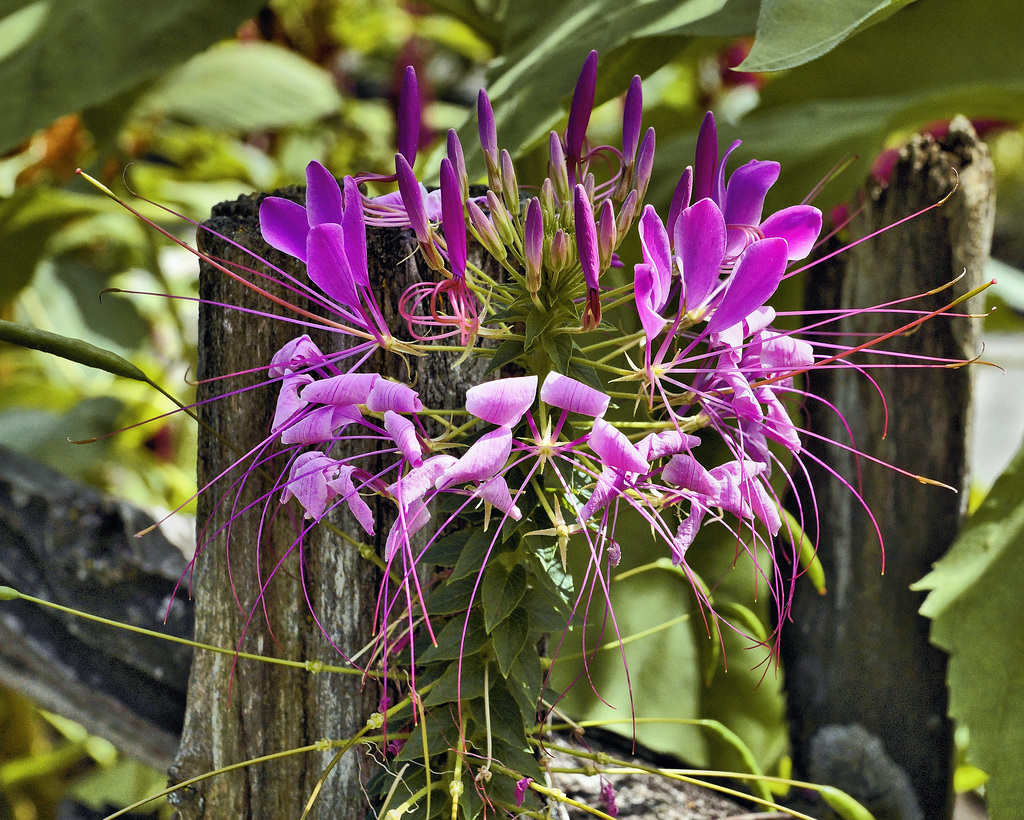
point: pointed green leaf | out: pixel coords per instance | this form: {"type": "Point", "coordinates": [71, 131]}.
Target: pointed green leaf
{"type": "Point", "coordinates": [460, 637]}
{"type": "Point", "coordinates": [501, 592]}
{"type": "Point", "coordinates": [510, 638]}
{"type": "Point", "coordinates": [974, 604]}
{"type": "Point", "coordinates": [792, 32]}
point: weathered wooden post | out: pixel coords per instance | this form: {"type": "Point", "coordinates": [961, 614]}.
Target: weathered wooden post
{"type": "Point", "coordinates": [241, 711]}
{"type": "Point", "coordinates": [867, 692]}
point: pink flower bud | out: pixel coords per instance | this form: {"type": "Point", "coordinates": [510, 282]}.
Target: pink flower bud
{"type": "Point", "coordinates": [533, 245]}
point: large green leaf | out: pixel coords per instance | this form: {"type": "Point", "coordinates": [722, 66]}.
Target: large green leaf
{"type": "Point", "coordinates": [793, 32]}
{"type": "Point", "coordinates": [976, 615]}
{"type": "Point", "coordinates": [68, 55]}
{"type": "Point", "coordinates": [246, 87]}
{"type": "Point", "coordinates": [929, 62]}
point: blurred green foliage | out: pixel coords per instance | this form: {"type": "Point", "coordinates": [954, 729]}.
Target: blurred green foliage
{"type": "Point", "coordinates": [143, 95]}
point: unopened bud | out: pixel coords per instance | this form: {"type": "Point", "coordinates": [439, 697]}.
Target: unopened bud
{"type": "Point", "coordinates": [547, 201]}
{"type": "Point", "coordinates": [589, 184]}
{"type": "Point", "coordinates": [645, 163]}
{"type": "Point", "coordinates": [458, 159]}
{"type": "Point", "coordinates": [559, 251]}
{"type": "Point", "coordinates": [488, 138]}
{"type": "Point", "coordinates": [485, 232]}
{"type": "Point", "coordinates": [627, 212]}
{"type": "Point", "coordinates": [501, 220]}
{"type": "Point", "coordinates": [558, 173]}
{"type": "Point", "coordinates": [606, 234]}
{"type": "Point", "coordinates": [509, 185]}
{"type": "Point", "coordinates": [533, 245]}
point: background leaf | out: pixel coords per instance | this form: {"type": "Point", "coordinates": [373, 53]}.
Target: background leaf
{"type": "Point", "coordinates": [245, 87]}
{"type": "Point", "coordinates": [792, 32]}
{"type": "Point", "coordinates": [976, 616]}
{"type": "Point", "coordinates": [78, 54]}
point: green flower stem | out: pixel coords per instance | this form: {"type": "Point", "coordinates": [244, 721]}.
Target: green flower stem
{"type": "Point", "coordinates": [314, 666]}
{"type": "Point", "coordinates": [636, 636]}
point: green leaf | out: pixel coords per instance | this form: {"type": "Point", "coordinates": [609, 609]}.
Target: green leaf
{"type": "Point", "coordinates": [792, 32]}
{"type": "Point", "coordinates": [844, 805]}
{"type": "Point", "coordinates": [510, 638]}
{"type": "Point", "coordinates": [460, 637]}
{"type": "Point", "coordinates": [71, 349]}
{"type": "Point", "coordinates": [974, 604]}
{"type": "Point", "coordinates": [69, 55]}
{"type": "Point", "coordinates": [501, 592]}
{"type": "Point", "coordinates": [446, 551]}
{"type": "Point", "coordinates": [463, 681]}
{"type": "Point", "coordinates": [507, 351]}
{"type": "Point", "coordinates": [245, 87]}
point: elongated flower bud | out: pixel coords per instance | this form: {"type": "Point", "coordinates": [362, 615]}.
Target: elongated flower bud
{"type": "Point", "coordinates": [458, 161]}
{"type": "Point", "coordinates": [606, 234]}
{"type": "Point", "coordinates": [558, 173]}
{"type": "Point", "coordinates": [409, 116]}
{"type": "Point", "coordinates": [645, 163]}
{"type": "Point", "coordinates": [627, 213]}
{"type": "Point", "coordinates": [488, 138]}
{"type": "Point", "coordinates": [453, 218]}
{"type": "Point", "coordinates": [586, 247]}
{"type": "Point", "coordinates": [485, 231]}
{"type": "Point", "coordinates": [509, 185]}
{"type": "Point", "coordinates": [580, 110]}
{"type": "Point", "coordinates": [559, 252]}
{"type": "Point", "coordinates": [533, 245]}
{"type": "Point", "coordinates": [501, 219]}
{"type": "Point", "coordinates": [680, 199]}
{"type": "Point", "coordinates": [632, 115]}
{"type": "Point", "coordinates": [415, 209]}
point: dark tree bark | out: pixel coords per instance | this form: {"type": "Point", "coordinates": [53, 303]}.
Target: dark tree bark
{"type": "Point", "coordinates": [238, 712]}
{"type": "Point", "coordinates": [867, 692]}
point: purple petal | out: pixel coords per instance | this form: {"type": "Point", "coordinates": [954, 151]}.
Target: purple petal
{"type": "Point", "coordinates": [615, 450]}
{"type": "Point", "coordinates": [403, 433]}
{"type": "Point", "coordinates": [484, 460]}
{"type": "Point", "coordinates": [328, 265]}
{"type": "Point", "coordinates": [296, 354]}
{"type": "Point", "coordinates": [700, 240]}
{"type": "Point", "coordinates": [777, 424]}
{"type": "Point", "coordinates": [343, 486]}
{"type": "Point", "coordinates": [284, 225]}
{"type": "Point", "coordinates": [412, 198]}
{"type": "Point", "coordinates": [453, 218]}
{"type": "Point", "coordinates": [288, 401]}
{"type": "Point", "coordinates": [586, 237]}
{"type": "Point", "coordinates": [655, 248]}
{"type": "Point", "coordinates": [646, 296]}
{"type": "Point", "coordinates": [388, 395]}
{"type": "Point", "coordinates": [685, 472]}
{"type": "Point", "coordinates": [409, 116]}
{"type": "Point", "coordinates": [410, 521]}
{"type": "Point", "coordinates": [758, 272]}
{"type": "Point", "coordinates": [488, 134]}
{"type": "Point", "coordinates": [645, 162]}
{"type": "Point", "coordinates": [687, 531]}
{"type": "Point", "coordinates": [799, 225]}
{"type": "Point", "coordinates": [458, 159]}
{"type": "Point", "coordinates": [609, 484]}
{"type": "Point", "coordinates": [574, 396]}
{"type": "Point", "coordinates": [632, 114]}
{"type": "Point", "coordinates": [307, 482]}
{"type": "Point", "coordinates": [415, 484]}
{"type": "Point", "coordinates": [581, 108]}
{"type": "Point", "coordinates": [719, 189]}
{"type": "Point", "coordinates": [666, 443]}
{"type": "Point", "coordinates": [316, 426]}
{"type": "Point", "coordinates": [680, 199]}
{"type": "Point", "coordinates": [533, 242]}
{"type": "Point", "coordinates": [707, 158]}
{"type": "Point", "coordinates": [495, 492]}
{"type": "Point", "coordinates": [748, 186]}
{"type": "Point", "coordinates": [354, 225]}
{"type": "Point", "coordinates": [502, 402]}
{"type": "Point", "coordinates": [782, 352]}
{"type": "Point", "coordinates": [348, 388]}
{"type": "Point", "coordinates": [323, 196]}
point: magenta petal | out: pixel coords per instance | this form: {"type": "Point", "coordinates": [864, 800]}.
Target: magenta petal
{"type": "Point", "coordinates": [654, 245]}
{"type": "Point", "coordinates": [666, 443]}
{"type": "Point", "coordinates": [354, 225]}
{"type": "Point", "coordinates": [284, 225]}
{"type": "Point", "coordinates": [581, 108]}
{"type": "Point", "coordinates": [323, 196]}
{"type": "Point", "coordinates": [707, 158]}
{"type": "Point", "coordinates": [782, 352]}
{"type": "Point", "coordinates": [777, 424]}
{"type": "Point", "coordinates": [288, 401]}
{"type": "Point", "coordinates": [412, 198]}
{"type": "Point", "coordinates": [757, 275]}
{"type": "Point", "coordinates": [348, 388]}
{"type": "Point", "coordinates": [388, 395]}
{"type": "Point", "coordinates": [748, 186]}
{"type": "Point", "coordinates": [316, 426]}
{"type": "Point", "coordinates": [342, 486]}
{"type": "Point", "coordinates": [403, 433]}
{"type": "Point", "coordinates": [609, 484]}
{"type": "Point", "coordinates": [328, 266]}
{"type": "Point", "coordinates": [297, 354]}
{"type": "Point", "coordinates": [615, 450]}
{"type": "Point", "coordinates": [453, 218]}
{"type": "Point", "coordinates": [574, 396]}
{"type": "Point", "coordinates": [495, 492]}
{"type": "Point", "coordinates": [685, 472]}
{"type": "Point", "coordinates": [417, 482]}
{"type": "Point", "coordinates": [700, 239]}
{"type": "Point", "coordinates": [799, 225]}
{"type": "Point", "coordinates": [680, 199]}
{"type": "Point", "coordinates": [502, 402]}
{"type": "Point", "coordinates": [645, 288]}
{"type": "Point", "coordinates": [307, 482]}
{"type": "Point", "coordinates": [485, 459]}
{"type": "Point", "coordinates": [410, 521]}
{"type": "Point", "coordinates": [409, 115]}
{"type": "Point", "coordinates": [687, 531]}
{"type": "Point", "coordinates": [586, 237]}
